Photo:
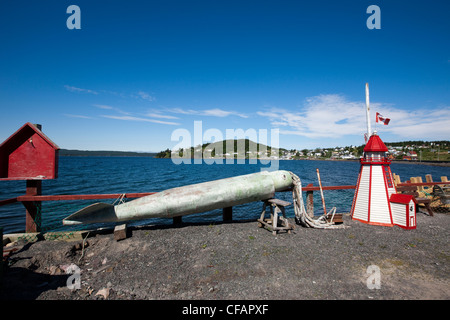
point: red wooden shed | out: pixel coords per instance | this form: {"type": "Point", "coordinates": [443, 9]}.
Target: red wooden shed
{"type": "Point", "coordinates": [28, 154]}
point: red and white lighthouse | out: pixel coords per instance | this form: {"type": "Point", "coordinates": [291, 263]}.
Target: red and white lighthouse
{"type": "Point", "coordinates": [375, 183]}
{"type": "Point", "coordinates": [376, 200]}
{"type": "Point", "coordinates": [371, 202]}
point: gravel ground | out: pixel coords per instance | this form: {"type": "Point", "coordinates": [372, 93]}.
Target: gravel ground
{"type": "Point", "coordinates": [238, 261]}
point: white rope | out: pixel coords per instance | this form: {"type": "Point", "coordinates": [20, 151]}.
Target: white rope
{"type": "Point", "coordinates": [302, 217]}
{"type": "Point", "coordinates": [120, 199]}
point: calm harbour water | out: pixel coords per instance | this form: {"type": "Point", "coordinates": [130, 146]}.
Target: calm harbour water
{"type": "Point", "coordinates": [97, 175]}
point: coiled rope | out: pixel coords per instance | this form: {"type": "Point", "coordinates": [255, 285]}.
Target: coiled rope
{"type": "Point", "coordinates": [302, 218]}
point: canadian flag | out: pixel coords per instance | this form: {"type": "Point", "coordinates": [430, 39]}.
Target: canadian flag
{"type": "Point", "coordinates": [382, 119]}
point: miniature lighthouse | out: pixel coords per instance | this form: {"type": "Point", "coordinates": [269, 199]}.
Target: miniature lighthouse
{"type": "Point", "coordinates": [371, 202]}
{"type": "Point", "coordinates": [375, 185]}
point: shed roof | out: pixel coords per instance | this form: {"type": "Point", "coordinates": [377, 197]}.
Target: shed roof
{"type": "Point", "coordinates": [26, 131]}
{"type": "Point", "coordinates": [402, 198]}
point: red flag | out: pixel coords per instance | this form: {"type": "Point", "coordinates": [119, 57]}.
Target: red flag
{"type": "Point", "coordinates": [382, 119]}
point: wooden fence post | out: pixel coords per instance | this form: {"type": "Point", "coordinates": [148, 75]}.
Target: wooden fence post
{"type": "Point", "coordinates": [310, 202]}
{"type": "Point", "coordinates": [33, 208]}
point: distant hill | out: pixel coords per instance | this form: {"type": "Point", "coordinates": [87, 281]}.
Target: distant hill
{"type": "Point", "coordinates": [85, 153]}
{"type": "Point", "coordinates": [236, 150]}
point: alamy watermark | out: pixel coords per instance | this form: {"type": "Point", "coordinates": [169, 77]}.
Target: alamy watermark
{"type": "Point", "coordinates": [74, 281]}
{"type": "Point", "coordinates": [74, 20]}
{"type": "Point", "coordinates": [235, 146]}
{"type": "Point", "coordinates": [374, 21]}
{"type": "Point", "coordinates": [374, 279]}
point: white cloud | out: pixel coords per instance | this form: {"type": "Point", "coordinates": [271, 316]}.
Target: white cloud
{"type": "Point", "coordinates": [127, 116]}
{"type": "Point", "coordinates": [77, 116]}
{"type": "Point", "coordinates": [333, 116]}
{"type": "Point", "coordinates": [102, 106]}
{"type": "Point", "coordinates": [182, 111]}
{"type": "Point", "coordinates": [425, 124]}
{"type": "Point", "coordinates": [209, 112]}
{"type": "Point", "coordinates": [131, 118]}
{"type": "Point", "coordinates": [75, 89]}
{"type": "Point", "coordinates": [146, 96]}
{"type": "Point", "coordinates": [139, 95]}
{"type": "Point", "coordinates": [222, 113]}
{"type": "Point", "coordinates": [106, 107]}
{"type": "Point", "coordinates": [159, 115]}
{"type": "Point", "coordinates": [324, 116]}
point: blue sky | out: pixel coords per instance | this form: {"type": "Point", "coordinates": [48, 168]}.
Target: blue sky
{"type": "Point", "coordinates": [138, 70]}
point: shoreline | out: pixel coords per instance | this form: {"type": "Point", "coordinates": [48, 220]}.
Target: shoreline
{"type": "Point", "coordinates": [430, 163]}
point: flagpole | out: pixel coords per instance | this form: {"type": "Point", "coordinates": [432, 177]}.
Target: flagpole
{"type": "Point", "coordinates": [369, 130]}
{"type": "Point", "coordinates": [376, 121]}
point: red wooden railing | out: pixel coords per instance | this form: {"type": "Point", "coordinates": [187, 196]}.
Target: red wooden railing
{"type": "Point", "coordinates": [28, 199]}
